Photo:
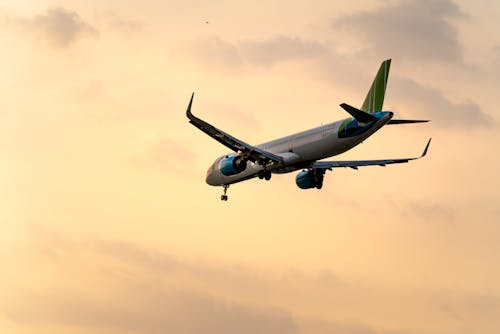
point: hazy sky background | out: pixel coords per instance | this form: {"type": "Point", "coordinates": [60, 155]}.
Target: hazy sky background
{"type": "Point", "coordinates": [107, 226]}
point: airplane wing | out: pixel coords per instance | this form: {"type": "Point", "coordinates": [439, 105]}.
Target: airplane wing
{"type": "Point", "coordinates": [361, 163]}
{"type": "Point", "coordinates": [250, 152]}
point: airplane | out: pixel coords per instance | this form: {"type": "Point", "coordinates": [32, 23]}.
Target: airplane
{"type": "Point", "coordinates": [304, 150]}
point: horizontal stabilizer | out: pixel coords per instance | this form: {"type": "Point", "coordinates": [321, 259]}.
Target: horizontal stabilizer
{"type": "Point", "coordinates": [359, 115]}
{"type": "Point", "coordinates": [407, 121]}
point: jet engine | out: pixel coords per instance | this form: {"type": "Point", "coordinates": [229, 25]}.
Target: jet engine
{"type": "Point", "coordinates": [232, 165]}
{"type": "Point", "coordinates": [310, 178]}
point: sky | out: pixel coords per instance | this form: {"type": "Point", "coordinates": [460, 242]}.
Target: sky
{"type": "Point", "coordinates": [107, 225]}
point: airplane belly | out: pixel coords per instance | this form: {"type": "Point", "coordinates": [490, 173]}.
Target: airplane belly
{"type": "Point", "coordinates": [324, 147]}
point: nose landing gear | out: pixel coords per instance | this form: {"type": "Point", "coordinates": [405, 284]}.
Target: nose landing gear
{"type": "Point", "coordinates": [223, 197]}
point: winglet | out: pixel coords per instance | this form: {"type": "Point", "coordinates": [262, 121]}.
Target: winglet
{"type": "Point", "coordinates": [188, 111]}
{"type": "Point", "coordinates": [426, 148]}
{"type": "Point", "coordinates": [359, 115]}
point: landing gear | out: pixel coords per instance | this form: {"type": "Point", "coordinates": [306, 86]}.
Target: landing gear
{"type": "Point", "coordinates": [223, 197]}
{"type": "Point", "coordinates": [265, 174]}
{"type": "Point", "coordinates": [320, 175]}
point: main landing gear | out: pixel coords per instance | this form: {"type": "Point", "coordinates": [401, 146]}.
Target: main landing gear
{"type": "Point", "coordinates": [223, 197]}
{"type": "Point", "coordinates": [320, 175]}
{"type": "Point", "coordinates": [264, 174]}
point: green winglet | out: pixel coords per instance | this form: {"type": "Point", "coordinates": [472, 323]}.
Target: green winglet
{"type": "Point", "coordinates": [375, 98]}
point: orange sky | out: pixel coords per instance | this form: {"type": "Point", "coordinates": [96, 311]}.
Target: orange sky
{"type": "Point", "coordinates": [107, 225]}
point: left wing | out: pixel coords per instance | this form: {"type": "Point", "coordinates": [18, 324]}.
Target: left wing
{"type": "Point", "coordinates": [361, 163]}
{"type": "Point", "coordinates": [250, 152]}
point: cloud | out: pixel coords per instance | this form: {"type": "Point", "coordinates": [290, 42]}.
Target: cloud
{"type": "Point", "coordinates": [104, 286]}
{"type": "Point", "coordinates": [59, 26]}
{"type": "Point", "coordinates": [266, 53]}
{"type": "Point", "coordinates": [422, 101]}
{"type": "Point", "coordinates": [325, 327]}
{"type": "Point", "coordinates": [126, 25]}
{"type": "Point", "coordinates": [280, 49]}
{"type": "Point", "coordinates": [234, 114]}
{"type": "Point", "coordinates": [62, 26]}
{"type": "Point", "coordinates": [112, 287]}
{"type": "Point", "coordinates": [142, 308]}
{"type": "Point", "coordinates": [416, 99]}
{"type": "Point", "coordinates": [169, 155]}
{"type": "Point", "coordinates": [432, 104]}
{"type": "Point", "coordinates": [426, 212]}
{"type": "Point", "coordinates": [216, 51]}
{"type": "Point", "coordinates": [410, 29]}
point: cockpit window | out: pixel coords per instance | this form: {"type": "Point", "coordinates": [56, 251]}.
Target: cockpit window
{"type": "Point", "coordinates": [215, 165]}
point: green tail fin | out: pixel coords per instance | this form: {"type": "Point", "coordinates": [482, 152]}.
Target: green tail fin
{"type": "Point", "coordinates": [375, 98]}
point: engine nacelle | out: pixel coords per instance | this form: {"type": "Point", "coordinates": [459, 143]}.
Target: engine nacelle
{"type": "Point", "coordinates": [232, 165]}
{"type": "Point", "coordinates": [310, 178]}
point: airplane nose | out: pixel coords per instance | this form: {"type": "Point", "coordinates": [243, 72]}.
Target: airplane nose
{"type": "Point", "coordinates": [209, 179]}
{"type": "Point", "coordinates": [212, 178]}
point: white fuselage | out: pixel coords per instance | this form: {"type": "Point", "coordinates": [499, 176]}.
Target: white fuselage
{"type": "Point", "coordinates": [301, 149]}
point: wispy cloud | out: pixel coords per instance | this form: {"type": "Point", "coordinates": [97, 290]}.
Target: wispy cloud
{"type": "Point", "coordinates": [426, 212]}
{"type": "Point", "coordinates": [115, 286]}
{"type": "Point", "coordinates": [122, 24]}
{"type": "Point", "coordinates": [431, 103]}
{"type": "Point", "coordinates": [267, 52]}
{"type": "Point", "coordinates": [280, 49]}
{"type": "Point", "coordinates": [168, 155]}
{"type": "Point", "coordinates": [410, 29]}
{"type": "Point", "coordinates": [215, 51]}
{"type": "Point", "coordinates": [143, 308]}
{"type": "Point", "coordinates": [145, 291]}
{"type": "Point", "coordinates": [58, 26]}
{"type": "Point", "coordinates": [233, 114]}
{"type": "Point", "coordinates": [424, 101]}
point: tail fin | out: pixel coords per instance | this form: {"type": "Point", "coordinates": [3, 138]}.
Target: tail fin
{"type": "Point", "coordinates": [375, 98]}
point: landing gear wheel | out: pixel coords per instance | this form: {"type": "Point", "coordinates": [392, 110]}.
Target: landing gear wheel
{"type": "Point", "coordinates": [267, 175]}
{"type": "Point", "coordinates": [319, 178]}
{"type": "Point", "coordinates": [224, 197]}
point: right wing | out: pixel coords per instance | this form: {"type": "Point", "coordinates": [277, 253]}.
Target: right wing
{"type": "Point", "coordinates": [250, 152]}
{"type": "Point", "coordinates": [361, 163]}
